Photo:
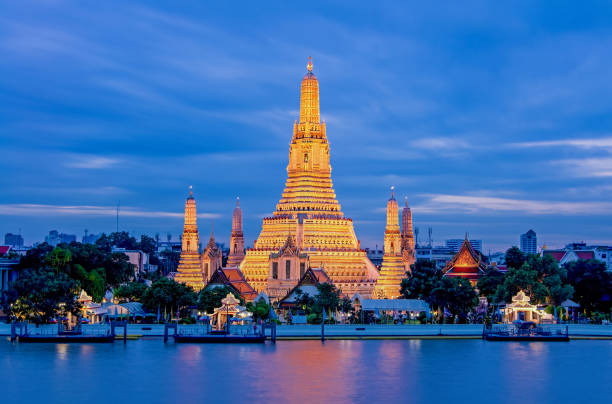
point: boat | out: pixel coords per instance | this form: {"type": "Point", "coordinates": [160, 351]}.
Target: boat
{"type": "Point", "coordinates": [524, 331]}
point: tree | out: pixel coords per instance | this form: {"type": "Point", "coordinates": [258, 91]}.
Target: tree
{"type": "Point", "coordinates": [328, 297]}
{"type": "Point", "coordinates": [41, 294]}
{"type": "Point", "coordinates": [540, 278]}
{"type": "Point", "coordinates": [421, 280]}
{"type": "Point", "coordinates": [131, 292]}
{"type": "Point", "coordinates": [58, 259]}
{"type": "Point", "coordinates": [488, 283]}
{"type": "Point", "coordinates": [169, 295]}
{"type": "Point", "coordinates": [259, 308]}
{"type": "Point", "coordinates": [592, 284]}
{"type": "Point", "coordinates": [147, 245]}
{"type": "Point", "coordinates": [210, 298]}
{"type": "Point", "coordinates": [456, 295]}
{"type": "Point", "coordinates": [515, 258]}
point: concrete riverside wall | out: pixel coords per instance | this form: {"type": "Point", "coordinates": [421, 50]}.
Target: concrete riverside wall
{"type": "Point", "coordinates": [337, 330]}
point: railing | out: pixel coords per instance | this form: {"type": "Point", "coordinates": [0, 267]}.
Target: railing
{"type": "Point", "coordinates": [515, 330]}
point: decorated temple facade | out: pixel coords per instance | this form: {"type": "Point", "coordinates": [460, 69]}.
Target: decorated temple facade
{"type": "Point", "coordinates": [286, 267]}
{"type": "Point", "coordinates": [211, 258]}
{"type": "Point", "coordinates": [189, 269]}
{"type": "Point", "coordinates": [309, 212]}
{"type": "Point", "coordinates": [236, 254]}
{"type": "Point", "coordinates": [467, 263]}
{"type": "Point", "coordinates": [393, 269]}
{"type": "Point", "coordinates": [408, 244]}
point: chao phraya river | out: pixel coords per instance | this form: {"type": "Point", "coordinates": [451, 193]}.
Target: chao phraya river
{"type": "Point", "coordinates": [374, 371]}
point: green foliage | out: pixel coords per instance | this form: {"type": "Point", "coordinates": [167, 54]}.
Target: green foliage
{"type": "Point", "coordinates": [515, 258]}
{"type": "Point", "coordinates": [41, 294]}
{"type": "Point", "coordinates": [168, 295]}
{"type": "Point", "coordinates": [540, 278]}
{"type": "Point", "coordinates": [260, 309]}
{"type": "Point", "coordinates": [328, 297]}
{"type": "Point", "coordinates": [58, 259]}
{"type": "Point", "coordinates": [456, 295]}
{"type": "Point", "coordinates": [95, 284]}
{"type": "Point", "coordinates": [131, 292]}
{"type": "Point", "coordinates": [422, 279]}
{"type": "Point", "coordinates": [488, 283]}
{"type": "Point", "coordinates": [592, 284]}
{"type": "Point", "coordinates": [210, 298]}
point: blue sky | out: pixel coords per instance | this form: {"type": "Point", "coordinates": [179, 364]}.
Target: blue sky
{"type": "Point", "coordinates": [491, 120]}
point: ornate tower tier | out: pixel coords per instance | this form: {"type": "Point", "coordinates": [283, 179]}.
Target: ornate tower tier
{"type": "Point", "coordinates": [211, 258]}
{"type": "Point", "coordinates": [392, 271]}
{"type": "Point", "coordinates": [236, 254]}
{"type": "Point", "coordinates": [309, 212]}
{"type": "Point", "coordinates": [189, 271]}
{"type": "Point", "coordinates": [408, 245]}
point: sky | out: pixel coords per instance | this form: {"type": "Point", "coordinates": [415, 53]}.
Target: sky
{"type": "Point", "coordinates": [491, 119]}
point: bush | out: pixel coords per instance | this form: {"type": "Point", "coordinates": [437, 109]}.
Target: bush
{"type": "Point", "coordinates": [422, 318]}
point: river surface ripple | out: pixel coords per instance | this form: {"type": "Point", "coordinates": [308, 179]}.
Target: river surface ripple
{"type": "Point", "coordinates": [406, 371]}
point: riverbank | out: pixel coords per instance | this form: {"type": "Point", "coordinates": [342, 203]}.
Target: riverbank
{"type": "Point", "coordinates": [344, 331]}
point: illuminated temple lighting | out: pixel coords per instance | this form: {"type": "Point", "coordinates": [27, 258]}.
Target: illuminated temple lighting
{"type": "Point", "coordinates": [309, 217]}
{"type": "Point", "coordinates": [189, 269]}
{"type": "Point", "coordinates": [236, 254]}
{"type": "Point", "coordinates": [408, 244]}
{"type": "Point", "coordinates": [393, 269]}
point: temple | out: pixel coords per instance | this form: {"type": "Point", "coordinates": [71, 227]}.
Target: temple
{"type": "Point", "coordinates": [211, 258]}
{"type": "Point", "coordinates": [467, 263]}
{"type": "Point", "coordinates": [236, 254]}
{"type": "Point", "coordinates": [408, 244]}
{"type": "Point", "coordinates": [393, 269]}
{"type": "Point", "coordinates": [309, 215]}
{"type": "Point", "coordinates": [189, 269]}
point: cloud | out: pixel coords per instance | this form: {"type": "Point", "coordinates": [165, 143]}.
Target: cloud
{"type": "Point", "coordinates": [438, 143]}
{"type": "Point", "coordinates": [86, 210]}
{"type": "Point", "coordinates": [593, 143]}
{"type": "Point", "coordinates": [587, 167]}
{"type": "Point", "coordinates": [441, 203]}
{"type": "Point", "coordinates": [89, 161]}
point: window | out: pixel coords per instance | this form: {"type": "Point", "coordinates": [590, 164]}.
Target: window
{"type": "Point", "coordinates": [305, 157]}
{"type": "Point", "coordinates": [206, 269]}
{"type": "Point", "coordinates": [302, 268]}
{"type": "Point", "coordinates": [235, 248]}
{"type": "Point", "coordinates": [275, 270]}
{"type": "Point", "coordinates": [287, 269]}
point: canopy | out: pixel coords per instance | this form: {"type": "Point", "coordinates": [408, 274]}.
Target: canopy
{"type": "Point", "coordinates": [570, 303]}
{"type": "Point", "coordinates": [394, 304]}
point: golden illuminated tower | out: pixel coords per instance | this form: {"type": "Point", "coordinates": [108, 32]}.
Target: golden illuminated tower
{"type": "Point", "coordinates": [392, 271]}
{"type": "Point", "coordinates": [308, 210]}
{"type": "Point", "coordinates": [211, 258]}
{"type": "Point", "coordinates": [236, 254]}
{"type": "Point", "coordinates": [408, 245]}
{"type": "Point", "coordinates": [189, 271]}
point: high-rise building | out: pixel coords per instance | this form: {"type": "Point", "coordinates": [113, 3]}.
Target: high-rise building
{"type": "Point", "coordinates": [54, 238]}
{"type": "Point", "coordinates": [189, 270]}
{"type": "Point", "coordinates": [236, 254]}
{"type": "Point", "coordinates": [309, 212]}
{"type": "Point", "coordinates": [529, 242]}
{"type": "Point", "coordinates": [456, 243]}
{"type": "Point", "coordinates": [392, 270]}
{"type": "Point", "coordinates": [14, 240]}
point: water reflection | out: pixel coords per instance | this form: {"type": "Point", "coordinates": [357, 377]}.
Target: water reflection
{"type": "Point", "coordinates": [412, 371]}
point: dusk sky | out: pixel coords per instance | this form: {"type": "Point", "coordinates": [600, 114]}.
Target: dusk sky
{"type": "Point", "coordinates": [491, 121]}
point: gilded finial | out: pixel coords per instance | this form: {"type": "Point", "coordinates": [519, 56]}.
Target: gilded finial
{"type": "Point", "coordinates": [237, 201]}
{"type": "Point", "coordinates": [392, 192]}
{"type": "Point", "coordinates": [191, 191]}
{"type": "Point", "coordinates": [309, 64]}
{"type": "Point", "coordinates": [406, 199]}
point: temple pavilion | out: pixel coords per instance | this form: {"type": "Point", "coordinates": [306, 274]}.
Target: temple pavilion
{"type": "Point", "coordinates": [309, 213]}
{"type": "Point", "coordinates": [467, 263]}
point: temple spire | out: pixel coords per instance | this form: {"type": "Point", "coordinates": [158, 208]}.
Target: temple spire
{"type": "Point", "coordinates": [309, 100]}
{"type": "Point", "coordinates": [309, 66]}
{"type": "Point", "coordinates": [236, 254]}
{"type": "Point", "coordinates": [189, 265]}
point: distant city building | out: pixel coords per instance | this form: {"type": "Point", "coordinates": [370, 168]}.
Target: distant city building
{"type": "Point", "coordinates": [14, 240]}
{"type": "Point", "coordinates": [440, 254]}
{"type": "Point", "coordinates": [54, 238]}
{"type": "Point", "coordinates": [578, 251]}
{"type": "Point", "coordinates": [90, 238]}
{"type": "Point", "coordinates": [456, 243]}
{"type": "Point", "coordinates": [529, 242]}
{"type": "Point", "coordinates": [138, 258]}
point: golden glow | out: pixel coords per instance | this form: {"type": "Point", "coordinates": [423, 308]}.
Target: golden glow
{"type": "Point", "coordinates": [309, 212]}
{"type": "Point", "coordinates": [393, 270]}
{"type": "Point", "coordinates": [189, 269]}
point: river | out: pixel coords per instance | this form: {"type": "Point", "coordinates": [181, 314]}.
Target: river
{"type": "Point", "coordinates": [368, 371]}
